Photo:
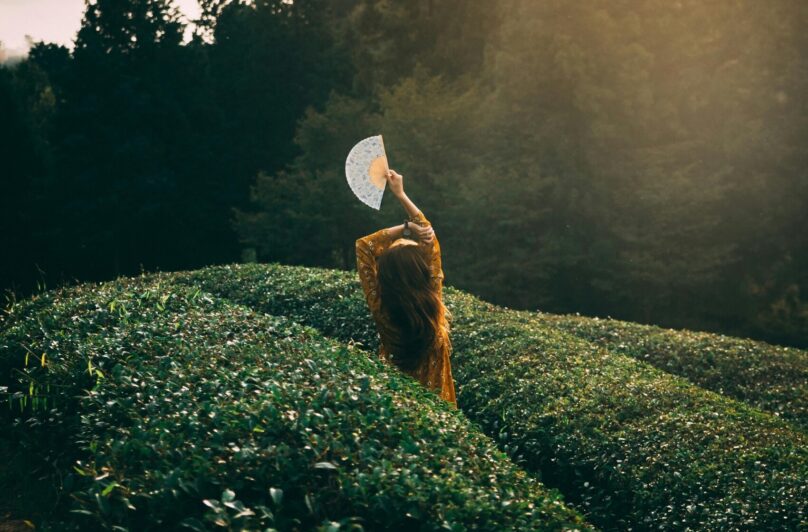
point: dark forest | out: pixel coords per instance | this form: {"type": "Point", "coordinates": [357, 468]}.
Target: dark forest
{"type": "Point", "coordinates": [643, 160]}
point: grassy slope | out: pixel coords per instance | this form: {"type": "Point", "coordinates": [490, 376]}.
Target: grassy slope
{"type": "Point", "coordinates": [633, 445]}
{"type": "Point", "coordinates": [161, 396]}
{"type": "Point", "coordinates": [769, 377]}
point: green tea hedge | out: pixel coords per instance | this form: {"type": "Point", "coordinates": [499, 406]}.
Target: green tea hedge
{"type": "Point", "coordinates": [143, 405]}
{"type": "Point", "coordinates": [770, 377]}
{"type": "Point", "coordinates": [634, 446]}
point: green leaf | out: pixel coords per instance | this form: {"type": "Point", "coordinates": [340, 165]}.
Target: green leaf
{"type": "Point", "coordinates": [106, 491]}
{"type": "Point", "coordinates": [212, 503]}
{"type": "Point", "coordinates": [277, 495]}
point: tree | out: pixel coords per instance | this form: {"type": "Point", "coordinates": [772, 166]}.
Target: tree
{"type": "Point", "coordinates": [135, 186]}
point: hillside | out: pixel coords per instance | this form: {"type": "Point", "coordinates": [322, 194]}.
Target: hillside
{"type": "Point", "coordinates": [769, 377]}
{"type": "Point", "coordinates": [630, 444]}
{"type": "Point", "coordinates": [141, 404]}
{"type": "Point", "coordinates": [621, 441]}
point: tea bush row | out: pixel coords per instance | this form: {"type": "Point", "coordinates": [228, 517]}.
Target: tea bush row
{"type": "Point", "coordinates": [635, 447]}
{"type": "Point", "coordinates": [772, 378]}
{"type": "Point", "coordinates": [144, 405]}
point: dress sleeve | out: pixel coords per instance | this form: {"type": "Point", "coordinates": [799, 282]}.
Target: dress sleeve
{"type": "Point", "coordinates": [431, 251]}
{"type": "Point", "coordinates": [367, 249]}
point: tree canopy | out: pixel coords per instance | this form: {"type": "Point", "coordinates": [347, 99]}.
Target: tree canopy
{"type": "Point", "coordinates": [642, 160]}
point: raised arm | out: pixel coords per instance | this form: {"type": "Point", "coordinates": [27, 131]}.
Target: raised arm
{"type": "Point", "coordinates": [408, 205]}
{"type": "Point", "coordinates": [431, 251]}
{"type": "Point", "coordinates": [369, 247]}
{"type": "Point", "coordinates": [430, 248]}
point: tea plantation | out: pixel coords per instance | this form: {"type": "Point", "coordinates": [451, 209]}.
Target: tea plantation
{"type": "Point", "coordinates": [196, 399]}
{"type": "Point", "coordinates": [771, 378]}
{"type": "Point", "coordinates": [141, 404]}
{"type": "Point", "coordinates": [633, 446]}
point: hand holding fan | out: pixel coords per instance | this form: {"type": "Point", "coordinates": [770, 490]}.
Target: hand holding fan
{"type": "Point", "coordinates": [366, 170]}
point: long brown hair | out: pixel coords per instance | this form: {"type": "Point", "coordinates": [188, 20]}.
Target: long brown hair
{"type": "Point", "coordinates": [412, 303]}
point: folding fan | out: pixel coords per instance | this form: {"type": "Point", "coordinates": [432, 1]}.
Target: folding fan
{"type": "Point", "coordinates": [366, 170]}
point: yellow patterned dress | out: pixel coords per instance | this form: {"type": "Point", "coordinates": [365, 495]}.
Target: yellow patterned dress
{"type": "Point", "coordinates": [435, 373]}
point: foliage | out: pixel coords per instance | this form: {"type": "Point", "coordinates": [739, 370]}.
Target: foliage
{"type": "Point", "coordinates": [612, 151]}
{"type": "Point", "coordinates": [632, 445]}
{"type": "Point", "coordinates": [142, 404]}
{"type": "Point", "coordinates": [641, 160]}
{"type": "Point", "coordinates": [769, 377]}
{"type": "Point", "coordinates": [310, 196]}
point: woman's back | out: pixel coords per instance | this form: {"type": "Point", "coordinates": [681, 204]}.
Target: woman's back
{"type": "Point", "coordinates": [434, 368]}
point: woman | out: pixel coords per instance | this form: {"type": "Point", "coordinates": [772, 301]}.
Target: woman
{"type": "Point", "coordinates": [402, 277]}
